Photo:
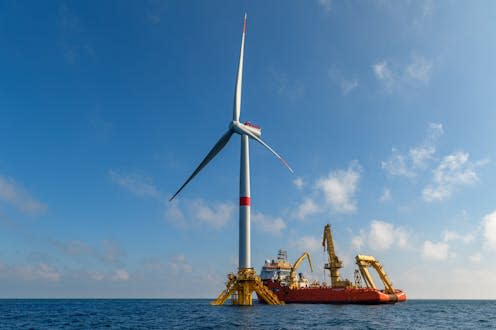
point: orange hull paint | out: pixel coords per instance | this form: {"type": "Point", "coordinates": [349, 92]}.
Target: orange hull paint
{"type": "Point", "coordinates": [327, 295]}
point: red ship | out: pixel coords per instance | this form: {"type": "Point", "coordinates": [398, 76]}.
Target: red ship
{"type": "Point", "coordinates": [280, 277]}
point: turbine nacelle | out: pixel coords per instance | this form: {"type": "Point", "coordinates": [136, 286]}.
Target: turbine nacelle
{"type": "Point", "coordinates": [242, 129]}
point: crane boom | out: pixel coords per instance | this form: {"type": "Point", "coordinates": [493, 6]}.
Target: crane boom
{"type": "Point", "coordinates": [363, 262]}
{"type": "Point", "coordinates": [292, 276]}
{"type": "Point", "coordinates": [334, 263]}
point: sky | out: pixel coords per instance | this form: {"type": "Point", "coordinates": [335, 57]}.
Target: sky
{"type": "Point", "coordinates": [384, 109]}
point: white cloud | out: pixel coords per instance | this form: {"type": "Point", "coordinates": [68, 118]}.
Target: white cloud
{"type": "Point", "coordinates": [449, 235]}
{"type": "Point", "coordinates": [400, 75]}
{"type": "Point", "coordinates": [309, 244]}
{"type": "Point", "coordinates": [194, 211]}
{"type": "Point", "coordinates": [109, 252]}
{"type": "Point", "coordinates": [382, 72]}
{"type": "Point", "coordinates": [419, 69]}
{"type": "Point", "coordinates": [382, 236]}
{"type": "Point", "coordinates": [178, 264]}
{"type": "Point", "coordinates": [427, 8]}
{"type": "Point", "coordinates": [120, 275]}
{"type": "Point", "coordinates": [112, 253]}
{"type": "Point", "coordinates": [73, 247]}
{"type": "Point", "coordinates": [345, 84]}
{"type": "Point", "coordinates": [407, 165]}
{"type": "Point", "coordinates": [424, 152]}
{"type": "Point", "coordinates": [348, 85]}
{"type": "Point", "coordinates": [96, 276]}
{"type": "Point", "coordinates": [475, 258]}
{"type": "Point", "coordinates": [326, 5]}
{"type": "Point", "coordinates": [216, 214]}
{"type": "Point", "coordinates": [413, 15]}
{"type": "Point", "coordinates": [426, 11]}
{"type": "Point", "coordinates": [73, 43]}
{"type": "Point", "coordinates": [435, 251]}
{"type": "Point", "coordinates": [38, 272]}
{"type": "Point", "coordinates": [298, 182]}
{"type": "Point", "coordinates": [334, 193]}
{"type": "Point", "coordinates": [47, 272]}
{"type": "Point", "coordinates": [155, 11]}
{"type": "Point", "coordinates": [188, 213]}
{"type": "Point", "coordinates": [307, 208]}
{"type": "Point", "coordinates": [84, 275]}
{"type": "Point", "coordinates": [183, 213]}
{"type": "Point", "coordinates": [339, 188]}
{"type": "Point", "coordinates": [454, 171]}
{"type": "Point", "coordinates": [419, 155]}
{"type": "Point", "coordinates": [174, 213]}
{"type": "Point", "coordinates": [435, 130]}
{"type": "Point", "coordinates": [359, 241]}
{"type": "Point", "coordinates": [386, 195]}
{"type": "Point", "coordinates": [268, 224]}
{"type": "Point", "coordinates": [137, 184]}
{"type": "Point", "coordinates": [396, 165]}
{"type": "Point", "coordinates": [13, 193]}
{"type": "Point", "coordinates": [284, 86]}
{"type": "Point", "coordinates": [402, 238]}
{"type": "Point", "coordinates": [489, 230]}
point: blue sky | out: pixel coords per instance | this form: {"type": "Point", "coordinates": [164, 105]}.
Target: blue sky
{"type": "Point", "coordinates": [385, 110]}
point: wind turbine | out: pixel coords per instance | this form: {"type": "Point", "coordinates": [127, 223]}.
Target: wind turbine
{"type": "Point", "coordinates": [246, 280]}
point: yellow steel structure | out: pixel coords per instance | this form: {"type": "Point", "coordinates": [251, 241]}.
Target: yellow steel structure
{"type": "Point", "coordinates": [363, 263]}
{"type": "Point", "coordinates": [334, 263]}
{"type": "Point", "coordinates": [293, 284]}
{"type": "Point", "coordinates": [241, 287]}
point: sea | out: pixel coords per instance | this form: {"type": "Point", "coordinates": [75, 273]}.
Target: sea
{"type": "Point", "coordinates": [198, 314]}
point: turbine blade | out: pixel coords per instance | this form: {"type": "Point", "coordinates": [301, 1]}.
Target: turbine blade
{"type": "Point", "coordinates": [215, 150]}
{"type": "Point", "coordinates": [259, 140]}
{"type": "Point", "coordinates": [239, 77]}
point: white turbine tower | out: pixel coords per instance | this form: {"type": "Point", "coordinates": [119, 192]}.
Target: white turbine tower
{"type": "Point", "coordinates": [246, 281]}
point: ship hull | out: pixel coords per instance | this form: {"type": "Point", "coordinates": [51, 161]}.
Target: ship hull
{"type": "Point", "coordinates": [327, 295]}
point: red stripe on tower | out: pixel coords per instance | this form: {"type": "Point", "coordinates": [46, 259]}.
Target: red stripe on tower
{"type": "Point", "coordinates": [244, 201]}
{"type": "Point", "coordinates": [244, 26]}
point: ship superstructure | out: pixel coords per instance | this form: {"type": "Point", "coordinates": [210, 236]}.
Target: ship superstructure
{"type": "Point", "coordinates": [278, 269]}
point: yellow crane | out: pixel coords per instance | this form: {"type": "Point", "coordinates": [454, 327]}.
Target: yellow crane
{"type": "Point", "coordinates": [293, 282]}
{"type": "Point", "coordinates": [334, 263]}
{"type": "Point", "coordinates": [364, 262]}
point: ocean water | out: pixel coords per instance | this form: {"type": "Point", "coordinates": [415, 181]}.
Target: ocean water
{"type": "Point", "coordinates": [198, 314]}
